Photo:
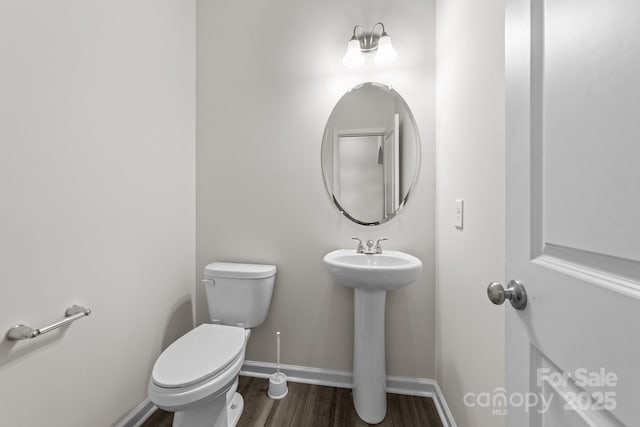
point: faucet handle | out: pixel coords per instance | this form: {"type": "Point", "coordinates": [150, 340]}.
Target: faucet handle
{"type": "Point", "coordinates": [360, 248]}
{"type": "Point", "coordinates": [378, 248]}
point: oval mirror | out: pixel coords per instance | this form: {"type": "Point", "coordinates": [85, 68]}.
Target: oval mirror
{"type": "Point", "coordinates": [370, 154]}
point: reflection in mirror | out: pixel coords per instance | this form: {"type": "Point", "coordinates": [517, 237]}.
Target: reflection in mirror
{"type": "Point", "coordinates": [370, 154]}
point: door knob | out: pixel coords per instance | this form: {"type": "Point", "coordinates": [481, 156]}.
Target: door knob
{"type": "Point", "coordinates": [515, 293]}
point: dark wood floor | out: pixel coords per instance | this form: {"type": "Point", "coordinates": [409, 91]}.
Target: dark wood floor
{"type": "Point", "coordinates": [316, 406]}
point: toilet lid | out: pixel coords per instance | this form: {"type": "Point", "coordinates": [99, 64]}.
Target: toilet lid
{"type": "Point", "coordinates": [233, 270]}
{"type": "Point", "coordinates": [201, 353]}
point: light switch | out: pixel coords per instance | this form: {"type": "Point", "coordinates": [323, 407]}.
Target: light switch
{"type": "Point", "coordinates": [459, 213]}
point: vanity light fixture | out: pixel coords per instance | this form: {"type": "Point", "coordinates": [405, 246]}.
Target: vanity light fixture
{"type": "Point", "coordinates": [369, 42]}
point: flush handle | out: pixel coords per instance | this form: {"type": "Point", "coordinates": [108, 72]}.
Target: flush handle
{"type": "Point", "coordinates": [515, 292]}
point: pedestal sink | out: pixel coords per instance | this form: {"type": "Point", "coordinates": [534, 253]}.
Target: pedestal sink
{"type": "Point", "coordinates": [371, 276]}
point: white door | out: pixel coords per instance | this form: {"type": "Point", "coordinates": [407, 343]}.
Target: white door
{"type": "Point", "coordinates": [573, 212]}
{"type": "Point", "coordinates": [360, 179]}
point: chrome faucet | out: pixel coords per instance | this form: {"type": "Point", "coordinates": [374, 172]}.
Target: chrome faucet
{"type": "Point", "coordinates": [371, 246]}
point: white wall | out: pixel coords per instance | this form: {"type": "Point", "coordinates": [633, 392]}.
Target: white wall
{"type": "Point", "coordinates": [97, 148]}
{"type": "Point", "coordinates": [269, 74]}
{"type": "Point", "coordinates": [470, 166]}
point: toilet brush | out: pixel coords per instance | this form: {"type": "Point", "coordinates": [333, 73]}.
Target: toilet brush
{"type": "Point", "coordinates": [277, 381]}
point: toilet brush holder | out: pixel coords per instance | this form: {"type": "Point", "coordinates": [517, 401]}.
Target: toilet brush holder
{"type": "Point", "coordinates": [277, 385]}
{"type": "Point", "coordinates": [277, 381]}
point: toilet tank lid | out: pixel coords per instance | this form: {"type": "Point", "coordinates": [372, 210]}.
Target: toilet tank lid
{"type": "Point", "coordinates": [233, 270]}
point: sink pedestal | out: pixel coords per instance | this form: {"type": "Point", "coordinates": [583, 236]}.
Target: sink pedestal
{"type": "Point", "coordinates": [369, 372]}
{"type": "Point", "coordinates": [371, 276]}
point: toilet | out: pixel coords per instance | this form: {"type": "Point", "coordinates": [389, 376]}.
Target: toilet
{"type": "Point", "coordinates": [197, 376]}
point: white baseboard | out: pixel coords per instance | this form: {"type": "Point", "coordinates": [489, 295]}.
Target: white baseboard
{"type": "Point", "coordinates": [138, 415]}
{"type": "Point", "coordinates": [327, 377]}
{"type": "Point", "coordinates": [443, 409]}
{"type": "Point", "coordinates": [343, 379]}
{"type": "Point", "coordinates": [299, 374]}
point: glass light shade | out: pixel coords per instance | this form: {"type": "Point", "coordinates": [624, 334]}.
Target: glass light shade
{"type": "Point", "coordinates": [354, 57]}
{"type": "Point", "coordinates": [386, 53]}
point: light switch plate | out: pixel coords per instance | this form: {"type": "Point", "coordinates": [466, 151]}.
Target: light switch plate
{"type": "Point", "coordinates": [459, 213]}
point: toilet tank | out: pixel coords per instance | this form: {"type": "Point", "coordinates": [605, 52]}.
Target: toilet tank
{"type": "Point", "coordinates": [239, 294]}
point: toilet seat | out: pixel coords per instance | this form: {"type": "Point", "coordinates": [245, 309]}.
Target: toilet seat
{"type": "Point", "coordinates": [200, 354]}
{"type": "Point", "coordinates": [201, 378]}
{"type": "Point", "coordinates": [181, 398]}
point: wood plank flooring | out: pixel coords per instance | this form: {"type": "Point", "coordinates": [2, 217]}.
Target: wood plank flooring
{"type": "Point", "coordinates": [316, 406]}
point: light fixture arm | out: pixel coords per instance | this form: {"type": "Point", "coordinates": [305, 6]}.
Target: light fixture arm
{"type": "Point", "coordinates": [354, 37]}
{"type": "Point", "coordinates": [374, 28]}
{"type": "Point", "coordinates": [368, 40]}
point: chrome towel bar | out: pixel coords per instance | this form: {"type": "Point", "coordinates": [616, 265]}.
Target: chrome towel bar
{"type": "Point", "coordinates": [22, 332]}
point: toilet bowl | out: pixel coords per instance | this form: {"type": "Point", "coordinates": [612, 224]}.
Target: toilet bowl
{"type": "Point", "coordinates": [196, 377]}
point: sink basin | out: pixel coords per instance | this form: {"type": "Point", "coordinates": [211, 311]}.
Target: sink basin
{"type": "Point", "coordinates": [387, 271]}
{"type": "Point", "coordinates": [370, 276]}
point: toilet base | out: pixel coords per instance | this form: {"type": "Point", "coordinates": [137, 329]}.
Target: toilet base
{"type": "Point", "coordinates": [217, 413]}
{"type": "Point", "coordinates": [234, 409]}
